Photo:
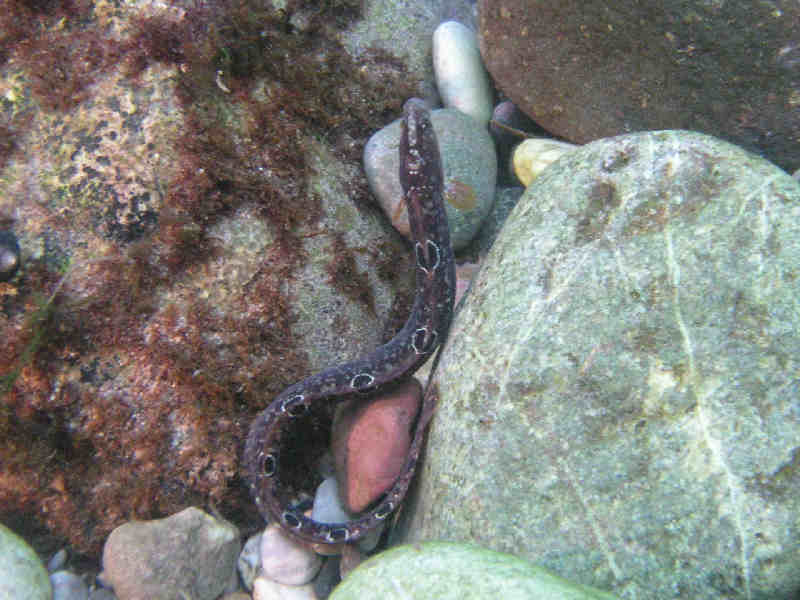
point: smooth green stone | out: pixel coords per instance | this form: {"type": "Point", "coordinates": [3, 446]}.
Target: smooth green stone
{"type": "Point", "coordinates": [445, 570]}
{"type": "Point", "coordinates": [22, 574]}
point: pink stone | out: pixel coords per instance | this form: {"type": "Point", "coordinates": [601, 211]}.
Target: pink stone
{"type": "Point", "coordinates": [371, 441]}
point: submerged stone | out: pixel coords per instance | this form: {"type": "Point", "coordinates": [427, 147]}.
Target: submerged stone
{"type": "Point", "coordinates": [618, 399]}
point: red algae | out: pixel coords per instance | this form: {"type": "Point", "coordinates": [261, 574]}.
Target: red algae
{"type": "Point", "coordinates": [127, 391]}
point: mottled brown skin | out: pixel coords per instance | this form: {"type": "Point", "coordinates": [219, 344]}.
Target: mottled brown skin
{"type": "Point", "coordinates": [421, 179]}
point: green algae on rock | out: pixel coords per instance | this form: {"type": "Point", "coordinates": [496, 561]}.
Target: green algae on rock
{"type": "Point", "coordinates": [618, 397]}
{"type": "Point", "coordinates": [450, 571]}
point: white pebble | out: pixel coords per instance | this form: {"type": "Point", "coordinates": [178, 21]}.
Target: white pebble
{"type": "Point", "coordinates": [534, 155]}
{"type": "Point", "coordinates": [460, 75]}
{"type": "Point", "coordinates": [285, 561]}
{"type": "Point", "coordinates": [328, 506]}
{"type": "Point", "coordinates": [265, 589]}
{"type": "Point", "coordinates": [68, 586]}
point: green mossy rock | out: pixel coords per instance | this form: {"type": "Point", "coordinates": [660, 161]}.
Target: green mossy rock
{"type": "Point", "coordinates": [618, 396]}
{"type": "Point", "coordinates": [22, 574]}
{"type": "Point", "coordinates": [444, 570]}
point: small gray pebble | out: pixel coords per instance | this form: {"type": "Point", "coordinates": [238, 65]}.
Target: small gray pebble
{"type": "Point", "coordinates": [57, 562]}
{"type": "Point", "coordinates": [68, 586]}
{"type": "Point", "coordinates": [328, 507]}
{"type": "Point", "coordinates": [9, 255]}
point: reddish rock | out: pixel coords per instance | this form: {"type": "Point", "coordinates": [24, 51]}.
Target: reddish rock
{"type": "Point", "coordinates": [588, 70]}
{"type": "Point", "coordinates": [370, 443]}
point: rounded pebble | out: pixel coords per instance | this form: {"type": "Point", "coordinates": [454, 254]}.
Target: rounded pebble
{"type": "Point", "coordinates": [533, 156]}
{"type": "Point", "coordinates": [285, 561]}
{"type": "Point", "coordinates": [461, 78]}
{"type": "Point", "coordinates": [329, 508]}
{"type": "Point", "coordinates": [57, 561]}
{"type": "Point", "coordinates": [266, 589]}
{"type": "Point", "coordinates": [249, 561]}
{"type": "Point", "coordinates": [510, 126]}
{"type": "Point", "coordinates": [370, 442]}
{"type": "Point", "coordinates": [465, 273]}
{"type": "Point", "coordinates": [68, 586]}
{"type": "Point", "coordinates": [328, 505]}
{"type": "Point", "coordinates": [469, 164]}
{"type": "Point", "coordinates": [22, 574]}
{"type": "Point", "coordinates": [102, 594]}
{"type": "Point", "coordinates": [202, 553]}
{"type": "Point", "coordinates": [9, 255]}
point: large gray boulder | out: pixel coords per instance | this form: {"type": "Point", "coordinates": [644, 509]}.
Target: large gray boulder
{"type": "Point", "coordinates": [619, 397]}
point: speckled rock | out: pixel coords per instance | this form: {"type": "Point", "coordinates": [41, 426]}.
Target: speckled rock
{"type": "Point", "coordinates": [285, 561]}
{"type": "Point", "coordinates": [469, 163]}
{"type": "Point", "coordinates": [460, 75]}
{"type": "Point", "coordinates": [404, 29]}
{"type": "Point", "coordinates": [591, 69]}
{"type": "Point", "coordinates": [22, 574]}
{"type": "Point", "coordinates": [200, 550]}
{"type": "Point", "coordinates": [619, 393]}
{"type": "Point", "coordinates": [465, 273]}
{"type": "Point", "coordinates": [448, 571]}
{"type": "Point", "coordinates": [505, 200]}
